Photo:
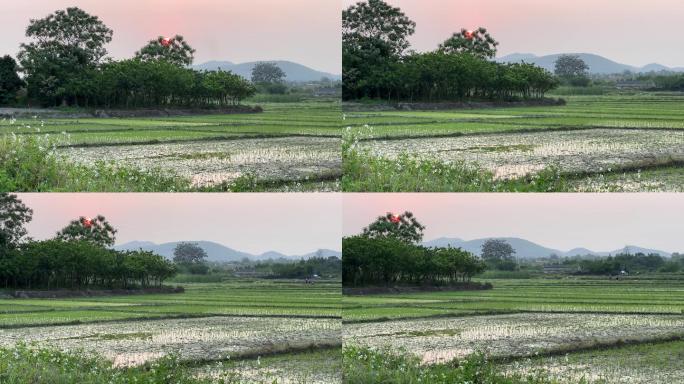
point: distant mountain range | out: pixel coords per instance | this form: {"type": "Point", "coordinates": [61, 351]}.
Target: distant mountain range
{"type": "Point", "coordinates": [293, 71]}
{"type": "Point", "coordinates": [217, 252]}
{"type": "Point", "coordinates": [597, 64]}
{"type": "Point", "coordinates": [529, 250]}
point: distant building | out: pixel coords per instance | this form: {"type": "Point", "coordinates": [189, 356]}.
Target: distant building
{"type": "Point", "coordinates": [634, 84]}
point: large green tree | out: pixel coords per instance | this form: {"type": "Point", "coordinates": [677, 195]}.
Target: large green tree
{"type": "Point", "coordinates": [64, 46]}
{"type": "Point", "coordinates": [95, 230]}
{"type": "Point", "coordinates": [572, 70]}
{"type": "Point", "coordinates": [404, 227]}
{"type": "Point", "coordinates": [376, 20]}
{"type": "Point", "coordinates": [174, 50]}
{"type": "Point", "coordinates": [14, 216]}
{"type": "Point", "coordinates": [498, 253]}
{"type": "Point", "coordinates": [478, 43]}
{"type": "Point", "coordinates": [267, 73]}
{"type": "Point", "coordinates": [374, 38]}
{"type": "Point", "coordinates": [10, 82]}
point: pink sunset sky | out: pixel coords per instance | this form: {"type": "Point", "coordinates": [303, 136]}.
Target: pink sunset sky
{"type": "Point", "coordinates": [634, 32]}
{"type": "Point", "coordinates": [600, 222]}
{"type": "Point", "coordinates": [255, 222]}
{"type": "Point", "coordinates": [304, 31]}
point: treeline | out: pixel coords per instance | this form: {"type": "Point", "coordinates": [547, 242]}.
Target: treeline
{"type": "Point", "coordinates": [630, 263]}
{"type": "Point", "coordinates": [438, 76]}
{"type": "Point", "coordinates": [305, 268]}
{"type": "Point", "coordinates": [377, 62]}
{"type": "Point", "coordinates": [65, 63]}
{"type": "Point", "coordinates": [387, 260]}
{"type": "Point", "coordinates": [134, 83]}
{"type": "Point", "coordinates": [665, 82]}
{"type": "Point", "coordinates": [53, 264]}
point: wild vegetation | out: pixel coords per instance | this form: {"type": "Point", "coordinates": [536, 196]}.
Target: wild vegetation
{"type": "Point", "coordinates": [151, 123]}
{"type": "Point", "coordinates": [238, 331]}
{"type": "Point", "coordinates": [376, 63]}
{"type": "Point", "coordinates": [608, 143]}
{"type": "Point", "coordinates": [387, 252]}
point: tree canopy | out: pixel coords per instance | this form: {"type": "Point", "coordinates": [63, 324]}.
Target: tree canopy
{"type": "Point", "coordinates": [65, 46]}
{"type": "Point", "coordinates": [404, 227]}
{"type": "Point", "coordinates": [95, 230]}
{"type": "Point", "coordinates": [14, 216]}
{"type": "Point", "coordinates": [267, 73]}
{"type": "Point", "coordinates": [376, 62]}
{"type": "Point", "coordinates": [478, 43]}
{"type": "Point", "coordinates": [174, 50]}
{"type": "Point", "coordinates": [498, 254]}
{"type": "Point", "coordinates": [387, 252]}
{"type": "Point", "coordinates": [572, 70]}
{"type": "Point", "coordinates": [10, 82]}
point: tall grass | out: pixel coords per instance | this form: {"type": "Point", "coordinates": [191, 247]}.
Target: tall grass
{"type": "Point", "coordinates": [32, 164]}
{"type": "Point", "coordinates": [363, 172]}
{"type": "Point", "coordinates": [30, 365]}
{"type": "Point", "coordinates": [365, 366]}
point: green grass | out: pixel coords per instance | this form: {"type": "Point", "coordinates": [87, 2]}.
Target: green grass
{"type": "Point", "coordinates": [650, 362]}
{"type": "Point", "coordinates": [31, 159]}
{"type": "Point", "coordinates": [408, 172]}
{"type": "Point", "coordinates": [581, 112]}
{"type": "Point", "coordinates": [237, 297]}
{"type": "Point", "coordinates": [526, 295]}
{"type": "Point", "coordinates": [33, 365]}
{"type": "Point", "coordinates": [362, 365]}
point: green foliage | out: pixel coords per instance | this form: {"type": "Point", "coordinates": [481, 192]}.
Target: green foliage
{"type": "Point", "coordinates": [68, 45]}
{"type": "Point", "coordinates": [96, 231]}
{"type": "Point", "coordinates": [478, 43]}
{"type": "Point", "coordinates": [189, 253]}
{"type": "Point", "coordinates": [267, 73]}
{"type": "Point", "coordinates": [155, 83]}
{"type": "Point", "coordinates": [389, 260]}
{"type": "Point", "coordinates": [29, 163]}
{"type": "Point", "coordinates": [572, 70]}
{"type": "Point", "coordinates": [365, 173]}
{"type": "Point", "coordinates": [14, 216]}
{"type": "Point", "coordinates": [174, 50]}
{"type": "Point", "coordinates": [498, 254]}
{"type": "Point", "coordinates": [80, 264]}
{"type": "Point", "coordinates": [375, 36]}
{"type": "Point", "coordinates": [10, 82]}
{"type": "Point", "coordinates": [363, 365]}
{"type": "Point", "coordinates": [614, 265]}
{"type": "Point", "coordinates": [376, 23]}
{"type": "Point", "coordinates": [329, 267]}
{"type": "Point", "coordinates": [403, 227]}
{"type": "Point", "coordinates": [25, 364]}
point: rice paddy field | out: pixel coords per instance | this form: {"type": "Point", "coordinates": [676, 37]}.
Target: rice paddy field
{"type": "Point", "coordinates": [288, 143]}
{"type": "Point", "coordinates": [238, 332]}
{"type": "Point", "coordinates": [596, 330]}
{"type": "Point", "coordinates": [598, 143]}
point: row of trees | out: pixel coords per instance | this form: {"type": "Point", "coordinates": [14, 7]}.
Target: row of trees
{"type": "Point", "coordinates": [65, 63]}
{"type": "Point", "coordinates": [80, 264]}
{"type": "Point", "coordinates": [78, 257]}
{"type": "Point", "coordinates": [302, 269]}
{"type": "Point", "coordinates": [387, 252]}
{"type": "Point", "coordinates": [376, 63]}
{"type": "Point", "coordinates": [134, 83]}
{"type": "Point", "coordinates": [630, 263]}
